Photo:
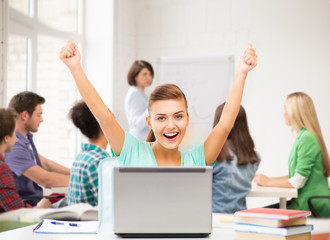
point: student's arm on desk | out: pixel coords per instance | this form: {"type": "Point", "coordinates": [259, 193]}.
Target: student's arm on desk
{"type": "Point", "coordinates": [263, 180]}
{"type": "Point", "coordinates": [52, 166]}
{"type": "Point", "coordinates": [45, 178]}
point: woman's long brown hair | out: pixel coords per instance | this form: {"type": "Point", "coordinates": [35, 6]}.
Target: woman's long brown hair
{"type": "Point", "coordinates": [239, 140]}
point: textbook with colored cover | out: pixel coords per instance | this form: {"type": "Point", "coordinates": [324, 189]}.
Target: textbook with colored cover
{"type": "Point", "coordinates": [260, 236]}
{"type": "Point", "coordinates": [272, 213]}
{"type": "Point", "coordinates": [283, 231]}
{"type": "Point", "coordinates": [271, 222]}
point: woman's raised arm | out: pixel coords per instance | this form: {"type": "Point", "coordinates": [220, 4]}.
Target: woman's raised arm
{"type": "Point", "coordinates": [214, 142]}
{"type": "Point", "coordinates": [115, 135]}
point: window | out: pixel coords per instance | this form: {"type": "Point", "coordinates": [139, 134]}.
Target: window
{"type": "Point", "coordinates": [56, 136]}
{"type": "Point", "coordinates": [36, 31]}
{"type": "Point", "coordinates": [20, 5]}
{"type": "Point", "coordinates": [16, 64]}
{"type": "Point", "coordinates": [59, 14]}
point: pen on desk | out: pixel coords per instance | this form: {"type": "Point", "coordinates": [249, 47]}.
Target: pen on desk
{"type": "Point", "coordinates": [57, 223]}
{"type": "Point", "coordinates": [73, 224]}
{"type": "Point", "coordinates": [62, 223]}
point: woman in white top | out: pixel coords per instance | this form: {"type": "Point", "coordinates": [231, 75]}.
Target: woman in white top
{"type": "Point", "coordinates": [139, 77]}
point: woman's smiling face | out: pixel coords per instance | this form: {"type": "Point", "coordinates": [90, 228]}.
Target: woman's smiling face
{"type": "Point", "coordinates": [169, 119]}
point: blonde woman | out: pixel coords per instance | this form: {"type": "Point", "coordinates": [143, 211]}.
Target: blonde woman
{"type": "Point", "coordinates": [309, 158]}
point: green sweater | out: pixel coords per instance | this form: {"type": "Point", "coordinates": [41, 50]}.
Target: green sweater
{"type": "Point", "coordinates": [306, 159]}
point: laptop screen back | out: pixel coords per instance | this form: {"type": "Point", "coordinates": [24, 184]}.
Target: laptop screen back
{"type": "Point", "coordinates": [162, 200]}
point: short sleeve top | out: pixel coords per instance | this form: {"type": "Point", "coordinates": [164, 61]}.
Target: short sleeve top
{"type": "Point", "coordinates": [137, 153]}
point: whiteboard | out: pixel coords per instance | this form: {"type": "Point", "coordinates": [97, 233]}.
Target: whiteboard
{"type": "Point", "coordinates": [206, 82]}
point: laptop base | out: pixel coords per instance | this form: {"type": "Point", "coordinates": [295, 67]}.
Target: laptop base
{"type": "Point", "coordinates": [162, 235]}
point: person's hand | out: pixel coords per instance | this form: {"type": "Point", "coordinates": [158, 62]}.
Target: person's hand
{"type": "Point", "coordinates": [248, 60]}
{"type": "Point", "coordinates": [261, 179]}
{"type": "Point", "coordinates": [44, 203]}
{"type": "Point", "coordinates": [70, 55]}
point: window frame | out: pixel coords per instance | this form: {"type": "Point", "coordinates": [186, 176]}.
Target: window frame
{"type": "Point", "coordinates": [15, 22]}
{"type": "Point", "coordinates": [20, 24]}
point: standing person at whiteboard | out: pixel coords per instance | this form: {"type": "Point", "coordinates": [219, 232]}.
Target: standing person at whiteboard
{"type": "Point", "coordinates": [139, 77]}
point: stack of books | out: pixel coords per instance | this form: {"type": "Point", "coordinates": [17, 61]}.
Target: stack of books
{"type": "Point", "coordinates": [272, 224]}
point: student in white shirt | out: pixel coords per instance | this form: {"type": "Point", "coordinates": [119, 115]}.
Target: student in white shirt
{"type": "Point", "coordinates": [139, 77]}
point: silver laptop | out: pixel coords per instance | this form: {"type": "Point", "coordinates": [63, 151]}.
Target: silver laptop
{"type": "Point", "coordinates": [162, 201]}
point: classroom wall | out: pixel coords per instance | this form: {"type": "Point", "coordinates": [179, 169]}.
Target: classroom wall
{"type": "Point", "coordinates": [2, 53]}
{"type": "Point", "coordinates": [125, 52]}
{"type": "Point", "coordinates": [98, 46]}
{"type": "Point", "coordinates": [291, 38]}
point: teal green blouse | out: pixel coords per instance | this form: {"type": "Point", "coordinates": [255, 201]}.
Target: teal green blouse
{"type": "Point", "coordinates": [306, 159]}
{"type": "Point", "coordinates": [137, 153]}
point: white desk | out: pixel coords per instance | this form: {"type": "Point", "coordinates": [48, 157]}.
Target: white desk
{"type": "Point", "coordinates": [105, 233]}
{"type": "Point", "coordinates": [226, 233]}
{"type": "Point", "coordinates": [60, 190]}
{"type": "Point", "coordinates": [282, 193]}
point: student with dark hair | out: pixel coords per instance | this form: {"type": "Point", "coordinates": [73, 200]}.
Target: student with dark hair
{"type": "Point", "coordinates": [30, 169]}
{"type": "Point", "coordinates": [235, 167]}
{"type": "Point", "coordinates": [84, 172]}
{"type": "Point", "coordinates": [168, 119]}
{"type": "Point", "coordinates": [136, 101]}
{"type": "Point", "coordinates": [9, 197]}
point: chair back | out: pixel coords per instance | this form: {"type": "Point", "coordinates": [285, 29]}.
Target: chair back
{"type": "Point", "coordinates": [311, 206]}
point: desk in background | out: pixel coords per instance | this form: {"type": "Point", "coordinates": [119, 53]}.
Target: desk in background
{"type": "Point", "coordinates": [60, 190]}
{"type": "Point", "coordinates": [282, 193]}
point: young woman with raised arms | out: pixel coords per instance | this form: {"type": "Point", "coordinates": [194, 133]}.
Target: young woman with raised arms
{"type": "Point", "coordinates": [168, 119]}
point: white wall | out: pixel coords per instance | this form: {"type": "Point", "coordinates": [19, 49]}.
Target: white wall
{"type": "Point", "coordinates": [99, 17]}
{"type": "Point", "coordinates": [3, 45]}
{"type": "Point", "coordinates": [125, 52]}
{"type": "Point", "coordinates": [291, 38]}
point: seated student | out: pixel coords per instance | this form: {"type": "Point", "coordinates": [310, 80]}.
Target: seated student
{"type": "Point", "coordinates": [84, 172]}
{"type": "Point", "coordinates": [168, 119]}
{"type": "Point", "coordinates": [235, 167]}
{"type": "Point", "coordinates": [30, 169]}
{"type": "Point", "coordinates": [309, 163]}
{"type": "Point", "coordinates": [9, 198]}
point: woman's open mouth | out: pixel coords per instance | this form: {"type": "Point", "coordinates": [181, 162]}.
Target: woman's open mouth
{"type": "Point", "coordinates": [171, 136]}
